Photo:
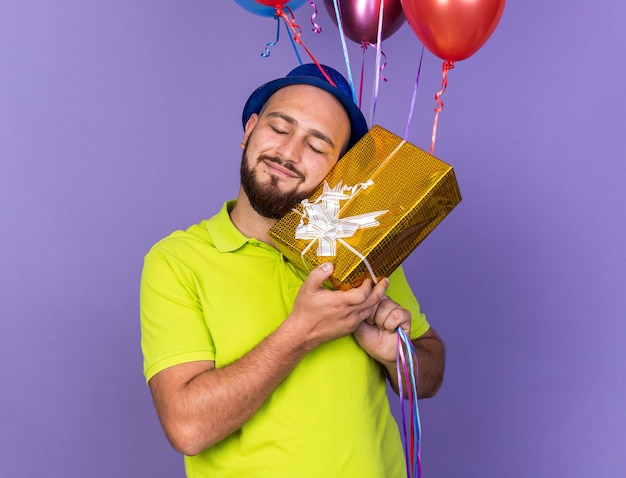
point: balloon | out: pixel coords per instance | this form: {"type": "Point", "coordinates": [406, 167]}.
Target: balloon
{"type": "Point", "coordinates": [267, 8]}
{"type": "Point", "coordinates": [272, 3]}
{"type": "Point", "coordinates": [359, 18]}
{"type": "Point", "coordinates": [453, 29]}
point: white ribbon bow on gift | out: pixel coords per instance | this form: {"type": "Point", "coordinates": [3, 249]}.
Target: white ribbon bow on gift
{"type": "Point", "coordinates": [326, 228]}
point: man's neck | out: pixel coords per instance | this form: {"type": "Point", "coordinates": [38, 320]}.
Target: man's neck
{"type": "Point", "coordinates": [249, 222]}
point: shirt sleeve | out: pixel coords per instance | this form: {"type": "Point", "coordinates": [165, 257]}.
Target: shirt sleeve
{"type": "Point", "coordinates": [173, 329]}
{"type": "Point", "coordinates": [400, 292]}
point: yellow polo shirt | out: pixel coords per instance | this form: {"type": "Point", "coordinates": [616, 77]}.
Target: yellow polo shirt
{"type": "Point", "coordinates": [210, 293]}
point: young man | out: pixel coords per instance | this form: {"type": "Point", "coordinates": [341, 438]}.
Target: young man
{"type": "Point", "coordinates": [255, 368]}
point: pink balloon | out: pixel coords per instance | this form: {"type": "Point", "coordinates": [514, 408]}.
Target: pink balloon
{"type": "Point", "coordinates": [359, 18]}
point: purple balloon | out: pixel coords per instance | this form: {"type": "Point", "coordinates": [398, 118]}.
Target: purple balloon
{"type": "Point", "coordinates": [359, 18]}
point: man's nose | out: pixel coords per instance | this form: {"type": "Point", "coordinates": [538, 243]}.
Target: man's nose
{"type": "Point", "coordinates": [290, 149]}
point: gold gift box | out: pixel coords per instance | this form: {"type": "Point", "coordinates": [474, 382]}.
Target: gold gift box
{"type": "Point", "coordinates": [410, 193]}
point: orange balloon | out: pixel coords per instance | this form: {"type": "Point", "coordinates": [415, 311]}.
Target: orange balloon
{"type": "Point", "coordinates": [453, 29]}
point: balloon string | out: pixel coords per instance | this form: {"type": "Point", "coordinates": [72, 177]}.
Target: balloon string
{"type": "Point", "coordinates": [447, 66]}
{"type": "Point", "coordinates": [400, 365]}
{"type": "Point", "coordinates": [344, 47]}
{"type": "Point", "coordinates": [266, 54]}
{"type": "Point", "coordinates": [417, 80]}
{"type": "Point", "coordinates": [415, 423]}
{"type": "Point", "coordinates": [379, 40]}
{"type": "Point", "coordinates": [363, 48]}
{"type": "Point", "coordinates": [384, 60]}
{"type": "Point", "coordinates": [316, 27]}
{"type": "Point", "coordinates": [293, 43]}
{"type": "Point", "coordinates": [410, 378]}
{"type": "Point", "coordinates": [410, 398]}
{"type": "Point", "coordinates": [297, 32]}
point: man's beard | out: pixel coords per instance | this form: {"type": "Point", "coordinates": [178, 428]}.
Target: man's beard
{"type": "Point", "coordinates": [267, 199]}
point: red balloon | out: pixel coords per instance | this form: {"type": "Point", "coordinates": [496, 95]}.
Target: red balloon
{"type": "Point", "coordinates": [272, 3]}
{"type": "Point", "coordinates": [258, 8]}
{"type": "Point", "coordinates": [359, 18]}
{"type": "Point", "coordinates": [453, 29]}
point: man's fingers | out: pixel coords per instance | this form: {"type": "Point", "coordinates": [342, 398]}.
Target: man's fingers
{"type": "Point", "coordinates": [377, 293]}
{"type": "Point", "coordinates": [390, 315]}
{"type": "Point", "coordinates": [317, 277]}
{"type": "Point", "coordinates": [370, 298]}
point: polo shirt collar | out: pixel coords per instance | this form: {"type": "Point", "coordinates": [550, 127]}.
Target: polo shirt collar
{"type": "Point", "coordinates": [225, 235]}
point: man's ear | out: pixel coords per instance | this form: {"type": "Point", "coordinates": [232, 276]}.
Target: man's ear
{"type": "Point", "coordinates": [250, 124]}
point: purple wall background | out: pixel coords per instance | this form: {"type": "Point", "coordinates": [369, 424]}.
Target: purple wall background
{"type": "Point", "coordinates": [119, 122]}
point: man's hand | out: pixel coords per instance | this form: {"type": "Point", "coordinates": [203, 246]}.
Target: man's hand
{"type": "Point", "coordinates": [377, 335]}
{"type": "Point", "coordinates": [321, 315]}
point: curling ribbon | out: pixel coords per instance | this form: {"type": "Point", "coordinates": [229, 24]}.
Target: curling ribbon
{"type": "Point", "coordinates": [271, 44]}
{"type": "Point", "coordinates": [364, 46]}
{"type": "Point", "coordinates": [316, 27]}
{"type": "Point", "coordinates": [297, 33]}
{"type": "Point", "coordinates": [417, 80]}
{"type": "Point", "coordinates": [326, 228]}
{"type": "Point", "coordinates": [384, 62]}
{"type": "Point", "coordinates": [410, 375]}
{"type": "Point", "coordinates": [447, 66]}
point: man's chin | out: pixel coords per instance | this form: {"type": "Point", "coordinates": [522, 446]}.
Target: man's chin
{"type": "Point", "coordinates": [275, 206]}
{"type": "Point", "coordinates": [271, 211]}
